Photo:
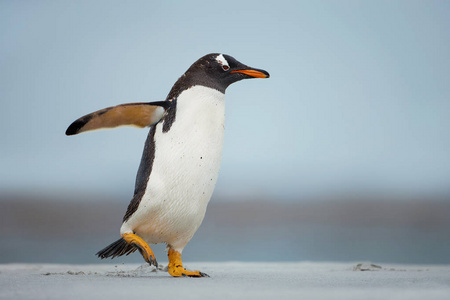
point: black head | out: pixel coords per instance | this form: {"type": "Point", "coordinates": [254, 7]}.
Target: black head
{"type": "Point", "coordinates": [216, 71]}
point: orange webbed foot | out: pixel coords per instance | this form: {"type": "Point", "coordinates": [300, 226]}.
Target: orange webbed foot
{"type": "Point", "coordinates": [142, 246]}
{"type": "Point", "coordinates": [176, 268]}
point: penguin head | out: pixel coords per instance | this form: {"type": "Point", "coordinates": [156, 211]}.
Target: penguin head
{"type": "Point", "coordinates": [218, 71]}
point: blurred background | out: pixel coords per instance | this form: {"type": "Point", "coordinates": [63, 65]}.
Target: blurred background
{"type": "Point", "coordinates": [342, 155]}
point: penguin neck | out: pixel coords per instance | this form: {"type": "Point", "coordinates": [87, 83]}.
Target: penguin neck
{"type": "Point", "coordinates": [199, 95]}
{"type": "Point", "coordinates": [188, 80]}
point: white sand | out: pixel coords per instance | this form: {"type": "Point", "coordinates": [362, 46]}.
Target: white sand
{"type": "Point", "coordinates": [231, 280]}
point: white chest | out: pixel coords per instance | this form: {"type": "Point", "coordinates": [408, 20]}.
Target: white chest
{"type": "Point", "coordinates": [188, 156]}
{"type": "Point", "coordinates": [185, 168]}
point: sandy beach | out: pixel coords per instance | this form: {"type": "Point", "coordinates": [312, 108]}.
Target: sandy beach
{"type": "Point", "coordinates": [229, 280]}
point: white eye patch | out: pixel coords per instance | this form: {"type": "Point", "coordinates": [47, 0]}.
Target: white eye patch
{"type": "Point", "coordinates": [221, 60]}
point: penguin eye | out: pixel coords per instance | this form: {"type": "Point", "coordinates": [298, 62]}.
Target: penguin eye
{"type": "Point", "coordinates": [225, 67]}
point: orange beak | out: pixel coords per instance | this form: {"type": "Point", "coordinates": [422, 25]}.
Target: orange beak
{"type": "Point", "coordinates": [253, 73]}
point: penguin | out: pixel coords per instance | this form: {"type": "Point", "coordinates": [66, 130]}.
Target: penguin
{"type": "Point", "coordinates": [180, 162]}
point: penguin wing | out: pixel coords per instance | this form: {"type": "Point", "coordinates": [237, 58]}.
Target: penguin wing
{"type": "Point", "coordinates": [141, 114]}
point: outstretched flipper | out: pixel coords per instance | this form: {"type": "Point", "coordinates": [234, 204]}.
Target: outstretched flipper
{"type": "Point", "coordinates": [135, 114]}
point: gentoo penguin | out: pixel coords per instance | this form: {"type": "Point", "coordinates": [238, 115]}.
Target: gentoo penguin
{"type": "Point", "coordinates": [181, 158]}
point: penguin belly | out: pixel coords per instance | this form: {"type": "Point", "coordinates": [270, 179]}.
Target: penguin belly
{"type": "Point", "coordinates": [184, 172]}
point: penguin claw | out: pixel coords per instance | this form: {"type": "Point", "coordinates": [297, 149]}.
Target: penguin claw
{"type": "Point", "coordinates": [152, 261]}
{"type": "Point", "coordinates": [203, 274]}
{"type": "Point", "coordinates": [194, 274]}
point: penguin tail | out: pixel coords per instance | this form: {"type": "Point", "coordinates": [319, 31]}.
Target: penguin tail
{"type": "Point", "coordinates": [118, 248]}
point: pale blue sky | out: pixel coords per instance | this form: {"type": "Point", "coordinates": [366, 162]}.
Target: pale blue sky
{"type": "Point", "coordinates": [358, 99]}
